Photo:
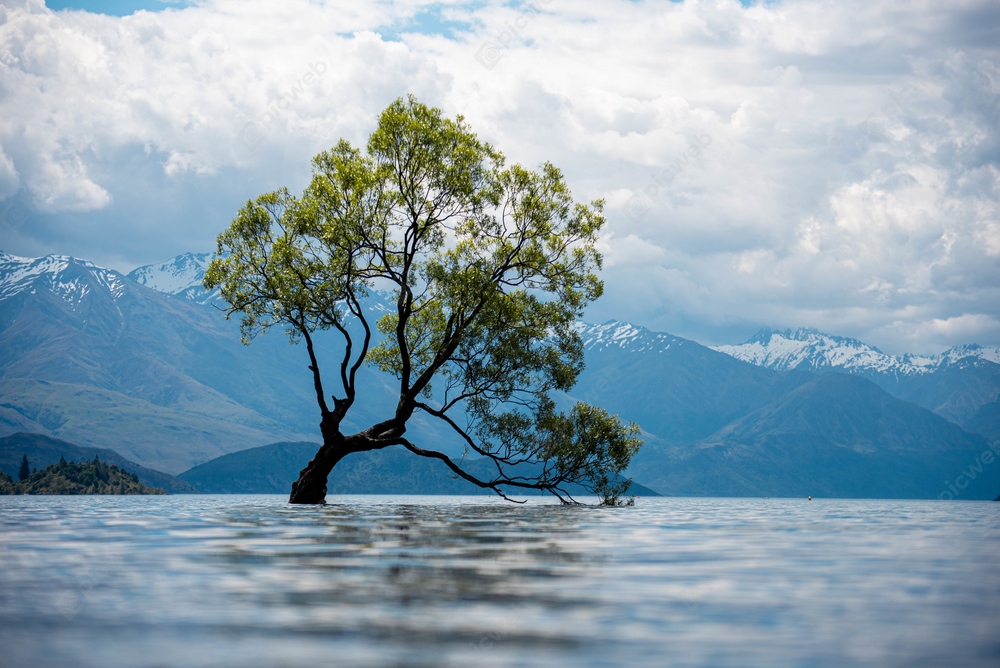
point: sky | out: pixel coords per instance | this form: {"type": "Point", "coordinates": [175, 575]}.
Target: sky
{"type": "Point", "coordinates": [825, 164]}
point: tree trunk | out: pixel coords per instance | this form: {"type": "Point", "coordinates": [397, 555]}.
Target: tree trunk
{"type": "Point", "coordinates": [311, 485]}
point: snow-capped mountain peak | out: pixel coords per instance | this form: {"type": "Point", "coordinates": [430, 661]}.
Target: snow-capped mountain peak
{"type": "Point", "coordinates": [65, 276]}
{"type": "Point", "coordinates": [181, 276]}
{"type": "Point", "coordinates": [958, 353]}
{"type": "Point", "coordinates": [812, 350]}
{"type": "Point", "coordinates": [625, 336]}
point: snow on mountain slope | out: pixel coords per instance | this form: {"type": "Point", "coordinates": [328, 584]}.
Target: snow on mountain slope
{"type": "Point", "coordinates": [624, 336]}
{"type": "Point", "coordinates": [65, 276]}
{"type": "Point", "coordinates": [181, 276]}
{"type": "Point", "coordinates": [958, 353]}
{"type": "Point", "coordinates": [812, 350]}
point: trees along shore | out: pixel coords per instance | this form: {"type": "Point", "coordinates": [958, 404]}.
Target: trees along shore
{"type": "Point", "coordinates": [85, 477]}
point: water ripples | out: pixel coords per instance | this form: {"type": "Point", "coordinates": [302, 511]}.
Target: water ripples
{"type": "Point", "coordinates": [468, 581]}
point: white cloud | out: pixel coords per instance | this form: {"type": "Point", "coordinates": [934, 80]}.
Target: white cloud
{"type": "Point", "coordinates": [9, 181]}
{"type": "Point", "coordinates": [63, 185]}
{"type": "Point", "coordinates": [932, 334]}
{"type": "Point", "coordinates": [822, 163]}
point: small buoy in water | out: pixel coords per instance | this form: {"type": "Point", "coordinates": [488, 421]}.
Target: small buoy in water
{"type": "Point", "coordinates": [810, 498]}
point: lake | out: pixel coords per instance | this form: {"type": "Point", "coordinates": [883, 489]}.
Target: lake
{"type": "Point", "coordinates": [438, 581]}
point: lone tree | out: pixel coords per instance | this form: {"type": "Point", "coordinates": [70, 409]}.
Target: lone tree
{"type": "Point", "coordinates": [25, 471]}
{"type": "Point", "coordinates": [488, 266]}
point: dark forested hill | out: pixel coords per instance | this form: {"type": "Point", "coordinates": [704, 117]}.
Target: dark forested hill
{"type": "Point", "coordinates": [77, 478]}
{"type": "Point", "coordinates": [43, 450]}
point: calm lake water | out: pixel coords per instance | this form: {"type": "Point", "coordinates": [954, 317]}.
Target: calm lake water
{"type": "Point", "coordinates": [472, 581]}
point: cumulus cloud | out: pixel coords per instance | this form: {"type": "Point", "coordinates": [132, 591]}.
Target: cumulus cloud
{"type": "Point", "coordinates": [819, 163]}
{"type": "Point", "coordinates": [9, 181]}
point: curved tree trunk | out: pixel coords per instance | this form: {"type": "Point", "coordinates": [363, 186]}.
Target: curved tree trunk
{"type": "Point", "coordinates": [311, 485]}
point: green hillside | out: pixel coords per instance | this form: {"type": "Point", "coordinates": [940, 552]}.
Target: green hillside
{"type": "Point", "coordinates": [166, 438]}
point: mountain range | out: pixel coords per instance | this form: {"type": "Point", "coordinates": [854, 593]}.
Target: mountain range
{"type": "Point", "coordinates": [962, 384]}
{"type": "Point", "coordinates": [147, 365]}
{"type": "Point", "coordinates": [812, 350]}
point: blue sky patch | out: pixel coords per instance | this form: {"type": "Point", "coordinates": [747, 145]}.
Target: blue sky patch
{"type": "Point", "coordinates": [116, 7]}
{"type": "Point", "coordinates": [428, 22]}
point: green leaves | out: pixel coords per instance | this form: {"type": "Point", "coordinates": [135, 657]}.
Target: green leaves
{"type": "Point", "coordinates": [585, 445]}
{"type": "Point", "coordinates": [440, 169]}
{"type": "Point", "coordinates": [489, 267]}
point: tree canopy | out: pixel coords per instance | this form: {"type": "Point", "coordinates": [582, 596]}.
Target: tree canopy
{"type": "Point", "coordinates": [489, 266]}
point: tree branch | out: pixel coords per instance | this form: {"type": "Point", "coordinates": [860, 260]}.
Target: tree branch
{"type": "Point", "coordinates": [550, 487]}
{"type": "Point", "coordinates": [314, 367]}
